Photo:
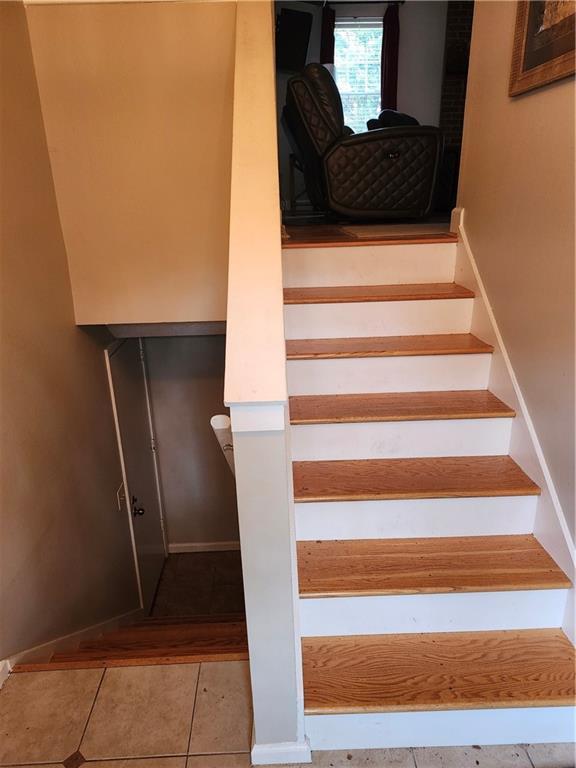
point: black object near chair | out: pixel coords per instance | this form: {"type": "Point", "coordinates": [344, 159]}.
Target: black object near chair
{"type": "Point", "coordinates": [386, 173]}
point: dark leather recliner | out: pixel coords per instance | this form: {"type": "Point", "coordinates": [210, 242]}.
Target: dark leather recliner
{"type": "Point", "coordinates": [389, 173]}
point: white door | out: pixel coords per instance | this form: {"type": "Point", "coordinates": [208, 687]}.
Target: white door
{"type": "Point", "coordinates": [130, 394]}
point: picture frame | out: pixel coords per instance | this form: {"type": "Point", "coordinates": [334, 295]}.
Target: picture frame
{"type": "Point", "coordinates": [543, 49]}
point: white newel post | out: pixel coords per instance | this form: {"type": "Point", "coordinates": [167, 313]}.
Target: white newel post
{"type": "Point", "coordinates": [267, 535]}
{"type": "Point", "coordinates": [256, 392]}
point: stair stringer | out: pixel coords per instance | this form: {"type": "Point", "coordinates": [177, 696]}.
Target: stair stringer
{"type": "Point", "coordinates": [550, 526]}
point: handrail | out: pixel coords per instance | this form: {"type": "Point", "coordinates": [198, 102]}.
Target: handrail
{"type": "Point", "coordinates": [255, 353]}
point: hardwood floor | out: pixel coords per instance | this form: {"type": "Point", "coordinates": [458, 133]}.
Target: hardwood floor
{"type": "Point", "coordinates": [456, 670]}
{"type": "Point", "coordinates": [387, 346]}
{"type": "Point", "coordinates": [422, 566]}
{"type": "Point", "coordinates": [198, 615]}
{"type": "Point", "coordinates": [397, 406]}
{"type": "Point", "coordinates": [428, 478]}
{"type": "Point", "coordinates": [155, 641]}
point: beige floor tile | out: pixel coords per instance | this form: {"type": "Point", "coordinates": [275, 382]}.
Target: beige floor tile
{"type": "Point", "coordinates": [221, 761]}
{"type": "Point", "coordinates": [223, 712]}
{"type": "Point", "coordinates": [142, 712]}
{"type": "Point", "coordinates": [356, 758]}
{"type": "Point", "coordinates": [364, 758]}
{"type": "Point", "coordinates": [43, 714]}
{"type": "Point", "coordinates": [145, 762]}
{"type": "Point", "coordinates": [473, 757]}
{"type": "Point", "coordinates": [552, 755]}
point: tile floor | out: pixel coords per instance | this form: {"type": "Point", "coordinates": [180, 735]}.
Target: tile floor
{"type": "Point", "coordinates": [184, 716]}
{"type": "Point", "coordinates": [200, 584]}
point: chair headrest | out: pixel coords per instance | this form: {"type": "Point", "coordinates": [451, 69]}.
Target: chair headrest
{"type": "Point", "coordinates": [314, 108]}
{"type": "Point", "coordinates": [327, 95]}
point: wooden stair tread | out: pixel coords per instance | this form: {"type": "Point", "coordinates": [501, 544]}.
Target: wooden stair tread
{"type": "Point", "coordinates": [164, 634]}
{"type": "Point", "coordinates": [205, 618]}
{"type": "Point", "coordinates": [387, 346]}
{"type": "Point", "coordinates": [159, 655]}
{"type": "Point", "coordinates": [455, 670]}
{"type": "Point", "coordinates": [333, 236]}
{"type": "Point", "coordinates": [434, 565]}
{"type": "Point", "coordinates": [362, 293]}
{"type": "Point", "coordinates": [420, 478]}
{"type": "Point", "coordinates": [152, 647]}
{"type": "Point", "coordinates": [397, 406]}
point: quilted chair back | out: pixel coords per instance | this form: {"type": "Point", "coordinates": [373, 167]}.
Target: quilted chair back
{"type": "Point", "coordinates": [314, 120]}
{"type": "Point", "coordinates": [313, 100]}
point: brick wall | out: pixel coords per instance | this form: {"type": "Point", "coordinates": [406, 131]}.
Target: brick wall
{"type": "Point", "coordinates": [457, 51]}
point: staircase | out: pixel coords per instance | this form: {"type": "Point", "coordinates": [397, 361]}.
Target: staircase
{"type": "Point", "coordinates": [429, 612]}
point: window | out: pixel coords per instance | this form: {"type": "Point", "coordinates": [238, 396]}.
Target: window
{"type": "Point", "coordinates": [357, 53]}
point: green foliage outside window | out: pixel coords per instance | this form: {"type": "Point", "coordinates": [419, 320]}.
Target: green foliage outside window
{"type": "Point", "coordinates": [357, 71]}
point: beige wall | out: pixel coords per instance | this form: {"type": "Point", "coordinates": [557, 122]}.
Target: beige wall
{"type": "Point", "coordinates": [517, 186]}
{"type": "Point", "coordinates": [187, 389]}
{"type": "Point", "coordinates": [65, 559]}
{"type": "Point", "coordinates": [137, 102]}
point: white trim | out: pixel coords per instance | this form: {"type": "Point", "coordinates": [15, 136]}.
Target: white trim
{"type": "Point", "coordinates": [203, 546]}
{"type": "Point", "coordinates": [107, 355]}
{"type": "Point", "coordinates": [412, 373]}
{"type": "Point", "coordinates": [108, 2]}
{"type": "Point", "coordinates": [5, 669]}
{"type": "Point", "coordinates": [45, 650]}
{"type": "Point", "coordinates": [369, 265]}
{"type": "Point", "coordinates": [446, 612]}
{"type": "Point", "coordinates": [441, 729]}
{"type": "Point", "coordinates": [415, 518]}
{"type": "Point", "coordinates": [401, 439]}
{"type": "Point", "coordinates": [560, 547]}
{"type": "Point", "coordinates": [257, 417]}
{"type": "Point", "coordinates": [377, 318]}
{"type": "Point", "coordinates": [153, 443]}
{"type": "Point", "coordinates": [568, 623]}
{"type": "Point", "coordinates": [358, 22]}
{"type": "Point", "coordinates": [281, 754]}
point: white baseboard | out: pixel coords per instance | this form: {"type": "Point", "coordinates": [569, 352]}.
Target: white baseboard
{"type": "Point", "coordinates": [4, 671]}
{"type": "Point", "coordinates": [282, 754]}
{"type": "Point", "coordinates": [45, 650]}
{"type": "Point", "coordinates": [550, 524]}
{"type": "Point", "coordinates": [203, 546]}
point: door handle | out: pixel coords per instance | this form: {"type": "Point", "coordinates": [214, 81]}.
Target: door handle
{"type": "Point", "coordinates": [136, 510]}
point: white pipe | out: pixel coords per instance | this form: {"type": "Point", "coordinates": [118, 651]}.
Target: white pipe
{"type": "Point", "coordinates": [223, 432]}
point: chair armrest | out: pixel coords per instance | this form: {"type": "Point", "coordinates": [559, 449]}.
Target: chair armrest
{"type": "Point", "coordinates": [391, 170]}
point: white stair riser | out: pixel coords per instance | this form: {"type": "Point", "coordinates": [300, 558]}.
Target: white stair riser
{"type": "Point", "coordinates": [416, 373]}
{"type": "Point", "coordinates": [415, 518]}
{"type": "Point", "coordinates": [450, 728]}
{"type": "Point", "coordinates": [400, 439]}
{"type": "Point", "coordinates": [369, 265]}
{"type": "Point", "coordinates": [377, 318]}
{"type": "Point", "coordinates": [452, 612]}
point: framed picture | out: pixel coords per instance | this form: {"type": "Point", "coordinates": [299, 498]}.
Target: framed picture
{"type": "Point", "coordinates": [543, 44]}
